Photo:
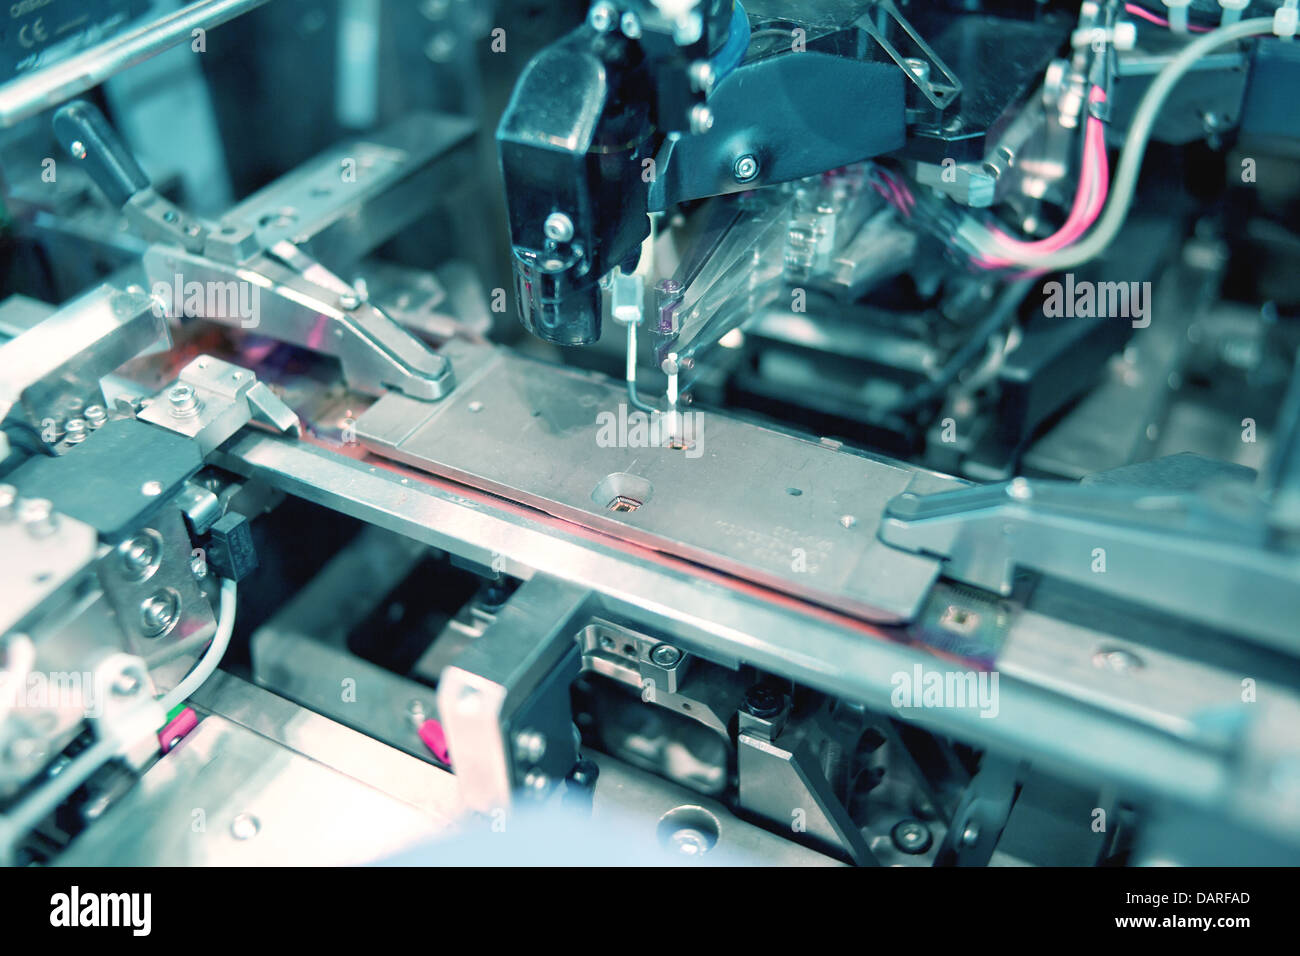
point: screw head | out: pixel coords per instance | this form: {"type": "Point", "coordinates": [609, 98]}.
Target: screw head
{"type": "Point", "coordinates": [631, 25]}
{"type": "Point", "coordinates": [182, 400]}
{"type": "Point", "coordinates": [245, 826]}
{"type": "Point", "coordinates": [701, 119]}
{"type": "Point", "coordinates": [558, 227]}
{"type": "Point", "coordinates": [602, 17]}
{"type": "Point", "coordinates": [37, 515]}
{"type": "Point", "coordinates": [911, 836]}
{"type": "Point", "coordinates": [763, 701]}
{"type": "Point", "coordinates": [158, 613]}
{"type": "Point", "coordinates": [666, 655]}
{"type": "Point", "coordinates": [702, 76]}
{"type": "Point", "coordinates": [75, 431]}
{"type": "Point", "coordinates": [745, 168]}
{"type": "Point", "coordinates": [138, 555]}
{"type": "Point", "coordinates": [1020, 489]}
{"type": "Point", "coordinates": [348, 301]}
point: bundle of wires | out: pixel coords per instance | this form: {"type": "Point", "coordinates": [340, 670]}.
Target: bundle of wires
{"type": "Point", "coordinates": [1079, 240]}
{"type": "Point", "coordinates": [996, 249]}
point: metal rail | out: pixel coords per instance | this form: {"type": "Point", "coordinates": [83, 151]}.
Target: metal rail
{"type": "Point", "coordinates": [32, 93]}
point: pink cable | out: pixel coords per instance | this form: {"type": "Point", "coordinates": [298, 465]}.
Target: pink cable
{"type": "Point", "coordinates": [1088, 198]}
{"type": "Point", "coordinates": [1149, 17]}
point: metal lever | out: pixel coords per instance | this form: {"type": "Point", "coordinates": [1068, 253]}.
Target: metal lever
{"type": "Point", "coordinates": [91, 140]}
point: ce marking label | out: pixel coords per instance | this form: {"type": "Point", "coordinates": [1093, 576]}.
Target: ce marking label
{"type": "Point", "coordinates": [33, 33]}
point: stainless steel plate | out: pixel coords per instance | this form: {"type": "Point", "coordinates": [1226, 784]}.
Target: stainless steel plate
{"type": "Point", "coordinates": [791, 514]}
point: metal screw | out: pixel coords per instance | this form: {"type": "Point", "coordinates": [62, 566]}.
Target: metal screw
{"type": "Point", "coordinates": [971, 835]}
{"type": "Point", "coordinates": [198, 567]}
{"type": "Point", "coordinates": [701, 119]}
{"type": "Point", "coordinates": [602, 17]}
{"type": "Point", "coordinates": [151, 489]}
{"type": "Point", "coordinates": [911, 836]}
{"type": "Point", "coordinates": [1118, 660]}
{"type": "Point", "coordinates": [349, 301]}
{"type": "Point", "coordinates": [245, 827]}
{"type": "Point", "coordinates": [1020, 490]}
{"type": "Point", "coordinates": [78, 149]}
{"type": "Point", "coordinates": [530, 746]}
{"type": "Point", "coordinates": [95, 415]}
{"type": "Point", "coordinates": [183, 401]}
{"type": "Point", "coordinates": [75, 431]}
{"type": "Point", "coordinates": [631, 25]}
{"type": "Point", "coordinates": [702, 76]}
{"type": "Point", "coordinates": [158, 612]}
{"type": "Point", "coordinates": [688, 842]}
{"type": "Point", "coordinates": [37, 514]}
{"type": "Point", "coordinates": [138, 555]}
{"type": "Point", "coordinates": [665, 655]}
{"type": "Point", "coordinates": [764, 702]}
{"type": "Point", "coordinates": [918, 68]}
{"type": "Point", "coordinates": [558, 227]}
{"type": "Point", "coordinates": [746, 168]}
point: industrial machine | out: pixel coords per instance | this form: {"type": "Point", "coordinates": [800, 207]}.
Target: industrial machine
{"type": "Point", "coordinates": [755, 432]}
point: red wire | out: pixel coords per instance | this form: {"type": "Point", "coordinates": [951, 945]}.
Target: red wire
{"type": "Point", "coordinates": [1145, 14]}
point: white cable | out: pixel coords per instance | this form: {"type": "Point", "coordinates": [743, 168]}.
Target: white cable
{"type": "Point", "coordinates": [207, 665]}
{"type": "Point", "coordinates": [1139, 132]}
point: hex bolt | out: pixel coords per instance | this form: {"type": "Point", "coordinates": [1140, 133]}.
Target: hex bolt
{"type": "Point", "coordinates": [558, 227]}
{"type": "Point", "coordinates": [665, 655]}
{"type": "Point", "coordinates": [745, 168]}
